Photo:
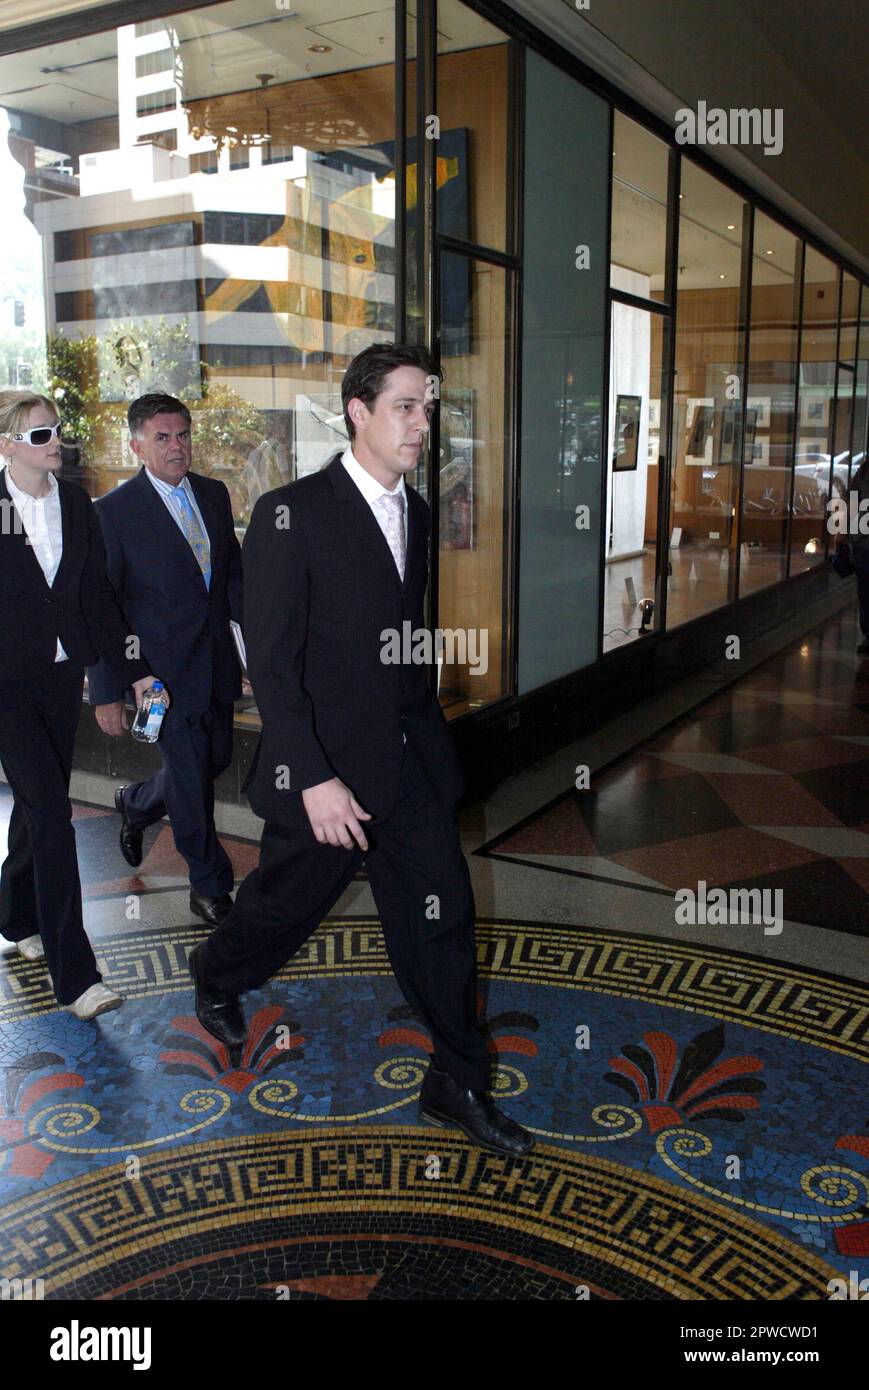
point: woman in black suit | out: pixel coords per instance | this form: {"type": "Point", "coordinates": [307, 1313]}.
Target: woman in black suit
{"type": "Point", "coordinates": [57, 614]}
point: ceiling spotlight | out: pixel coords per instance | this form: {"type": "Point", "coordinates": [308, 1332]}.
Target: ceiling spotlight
{"type": "Point", "coordinates": [770, 253]}
{"type": "Point", "coordinates": [722, 277]}
{"type": "Point", "coordinates": [264, 78]}
{"type": "Point", "coordinates": [319, 48]}
{"type": "Point", "coordinates": [731, 226]}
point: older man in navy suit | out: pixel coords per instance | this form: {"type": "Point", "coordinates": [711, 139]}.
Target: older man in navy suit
{"type": "Point", "coordinates": [174, 561]}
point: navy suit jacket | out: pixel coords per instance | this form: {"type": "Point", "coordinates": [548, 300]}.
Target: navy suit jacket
{"type": "Point", "coordinates": [183, 626]}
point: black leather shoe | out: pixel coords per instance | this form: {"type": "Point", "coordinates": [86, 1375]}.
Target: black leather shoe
{"type": "Point", "coordinates": [219, 1013]}
{"type": "Point", "coordinates": [131, 840]}
{"type": "Point", "coordinates": [442, 1101]}
{"type": "Point", "coordinates": [211, 910]}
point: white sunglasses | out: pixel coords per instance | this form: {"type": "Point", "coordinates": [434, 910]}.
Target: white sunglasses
{"type": "Point", "coordinates": [38, 437]}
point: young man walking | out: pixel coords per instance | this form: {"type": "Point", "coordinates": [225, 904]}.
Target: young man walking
{"type": "Point", "coordinates": [355, 759]}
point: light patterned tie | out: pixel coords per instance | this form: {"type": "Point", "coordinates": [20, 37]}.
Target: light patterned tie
{"type": "Point", "coordinates": [194, 533]}
{"type": "Point", "coordinates": [394, 506]}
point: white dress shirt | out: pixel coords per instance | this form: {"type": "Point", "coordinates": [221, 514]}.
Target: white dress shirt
{"type": "Point", "coordinates": [43, 524]}
{"type": "Point", "coordinates": [164, 490]}
{"type": "Point", "coordinates": [372, 491]}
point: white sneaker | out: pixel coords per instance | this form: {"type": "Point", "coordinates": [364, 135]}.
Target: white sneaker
{"type": "Point", "coordinates": [96, 1000]}
{"type": "Point", "coordinates": [31, 948]}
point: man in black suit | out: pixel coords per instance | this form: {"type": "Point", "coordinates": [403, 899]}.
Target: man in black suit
{"type": "Point", "coordinates": [355, 758]}
{"type": "Point", "coordinates": [174, 562]}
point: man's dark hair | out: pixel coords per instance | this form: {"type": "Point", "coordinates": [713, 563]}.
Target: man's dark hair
{"type": "Point", "coordinates": [155, 403]}
{"type": "Point", "coordinates": [365, 378]}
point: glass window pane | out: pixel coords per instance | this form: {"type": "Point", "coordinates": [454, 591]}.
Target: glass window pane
{"type": "Point", "coordinates": [474, 454]}
{"type": "Point", "coordinates": [708, 396]}
{"type": "Point", "coordinates": [816, 386]}
{"type": "Point", "coordinates": [634, 433]}
{"type": "Point", "coordinates": [639, 224]}
{"type": "Point", "coordinates": [567, 175]}
{"type": "Point", "coordinates": [769, 422]}
{"type": "Point", "coordinates": [241, 269]}
{"type": "Point", "coordinates": [845, 382]}
{"type": "Point", "coordinates": [471, 169]}
{"type": "Point", "coordinates": [858, 434]}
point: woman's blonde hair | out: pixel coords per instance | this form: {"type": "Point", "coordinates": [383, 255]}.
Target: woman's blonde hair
{"type": "Point", "coordinates": [15, 408]}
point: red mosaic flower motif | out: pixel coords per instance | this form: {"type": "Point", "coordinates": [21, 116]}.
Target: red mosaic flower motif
{"type": "Point", "coordinates": [28, 1159]}
{"type": "Point", "coordinates": [853, 1239]}
{"type": "Point", "coordinates": [671, 1091]}
{"type": "Point", "coordinates": [496, 1041]}
{"type": "Point", "coordinates": [261, 1053]}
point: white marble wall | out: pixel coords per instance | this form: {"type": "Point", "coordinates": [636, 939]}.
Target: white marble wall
{"type": "Point", "coordinates": [630, 362]}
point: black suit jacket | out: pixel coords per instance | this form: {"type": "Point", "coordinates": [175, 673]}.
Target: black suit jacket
{"type": "Point", "coordinates": [79, 607]}
{"type": "Point", "coordinates": [183, 626]}
{"type": "Point", "coordinates": [321, 587]}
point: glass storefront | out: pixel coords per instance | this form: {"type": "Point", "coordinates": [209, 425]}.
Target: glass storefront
{"type": "Point", "coordinates": [817, 382]}
{"type": "Point", "coordinates": [652, 386]}
{"type": "Point", "coordinates": [708, 396]}
{"type": "Point", "coordinates": [767, 451]}
{"type": "Point", "coordinates": [638, 401]}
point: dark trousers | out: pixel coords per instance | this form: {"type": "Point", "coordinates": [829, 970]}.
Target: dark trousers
{"type": "Point", "coordinates": [860, 558]}
{"type": "Point", "coordinates": [40, 891]}
{"type": "Point", "coordinates": [195, 749]}
{"type": "Point", "coordinates": [422, 888]}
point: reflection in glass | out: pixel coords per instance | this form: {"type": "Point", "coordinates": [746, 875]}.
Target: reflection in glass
{"type": "Point", "coordinates": [472, 484]}
{"type": "Point", "coordinates": [769, 422]}
{"type": "Point", "coordinates": [708, 397]}
{"type": "Point", "coordinates": [817, 376]}
{"type": "Point", "coordinates": [858, 434]}
{"type": "Point", "coordinates": [217, 220]}
{"type": "Point", "coordinates": [845, 383]}
{"type": "Point", "coordinates": [638, 249]}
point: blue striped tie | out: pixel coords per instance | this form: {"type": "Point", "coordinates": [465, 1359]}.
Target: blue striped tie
{"type": "Point", "coordinates": [194, 533]}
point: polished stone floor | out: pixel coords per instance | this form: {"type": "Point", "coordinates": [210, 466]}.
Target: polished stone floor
{"type": "Point", "coordinates": [698, 1087]}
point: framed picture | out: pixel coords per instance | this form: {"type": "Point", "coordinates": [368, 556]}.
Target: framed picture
{"type": "Point", "coordinates": [815, 411]}
{"type": "Point", "coordinates": [751, 424]}
{"type": "Point", "coordinates": [763, 406]}
{"type": "Point", "coordinates": [699, 424]}
{"type": "Point", "coordinates": [725, 438]}
{"type": "Point", "coordinates": [759, 455]}
{"type": "Point", "coordinates": [626, 435]}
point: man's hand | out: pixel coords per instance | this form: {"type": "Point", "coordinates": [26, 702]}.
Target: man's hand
{"type": "Point", "coordinates": [335, 814]}
{"type": "Point", "coordinates": [112, 718]}
{"type": "Point", "coordinates": [139, 688]}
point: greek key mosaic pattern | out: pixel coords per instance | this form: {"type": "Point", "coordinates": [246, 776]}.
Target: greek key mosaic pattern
{"type": "Point", "coordinates": [796, 1003]}
{"type": "Point", "coordinates": [583, 1213]}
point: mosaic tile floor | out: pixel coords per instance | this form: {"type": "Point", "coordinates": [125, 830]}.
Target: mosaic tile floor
{"type": "Point", "coordinates": [702, 1113]}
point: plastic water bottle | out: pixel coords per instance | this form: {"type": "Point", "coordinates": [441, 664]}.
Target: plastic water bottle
{"type": "Point", "coordinates": [149, 715]}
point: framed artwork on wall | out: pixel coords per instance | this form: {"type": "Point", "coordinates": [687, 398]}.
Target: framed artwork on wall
{"type": "Point", "coordinates": [626, 434]}
{"type": "Point", "coordinates": [815, 411]}
{"type": "Point", "coordinates": [763, 406]}
{"type": "Point", "coordinates": [700, 419]}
